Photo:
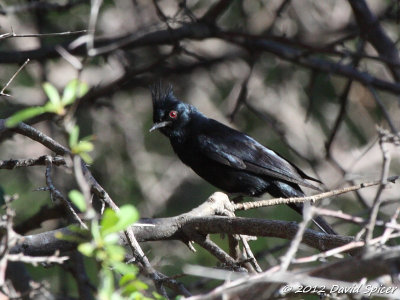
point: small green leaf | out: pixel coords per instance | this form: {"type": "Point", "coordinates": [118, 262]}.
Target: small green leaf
{"type": "Point", "coordinates": [126, 216]}
{"type": "Point", "coordinates": [86, 249]}
{"type": "Point", "coordinates": [86, 157]}
{"type": "Point", "coordinates": [54, 108]}
{"type": "Point", "coordinates": [95, 230]}
{"type": "Point", "coordinates": [157, 296]}
{"type": "Point", "coordinates": [112, 238]}
{"type": "Point", "coordinates": [84, 146]}
{"type": "Point", "coordinates": [70, 92]}
{"type": "Point", "coordinates": [133, 287]}
{"type": "Point", "coordinates": [52, 93]}
{"type": "Point", "coordinates": [73, 90]}
{"type": "Point", "coordinates": [74, 136]}
{"type": "Point", "coordinates": [116, 253]}
{"type": "Point", "coordinates": [127, 278]}
{"type": "Point", "coordinates": [78, 199]}
{"type": "Point", "coordinates": [23, 115]}
{"type": "Point", "coordinates": [83, 88]}
{"type": "Point", "coordinates": [109, 219]}
{"type": "Point", "coordinates": [101, 255]}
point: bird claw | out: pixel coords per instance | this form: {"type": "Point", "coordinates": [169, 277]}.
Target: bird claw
{"type": "Point", "coordinates": [189, 244]}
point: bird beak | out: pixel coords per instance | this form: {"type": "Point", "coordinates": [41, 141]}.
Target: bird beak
{"type": "Point", "coordinates": [160, 125]}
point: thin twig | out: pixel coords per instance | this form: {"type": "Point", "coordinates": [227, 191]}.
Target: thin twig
{"type": "Point", "coordinates": [342, 249]}
{"type": "Point", "coordinates": [276, 201]}
{"type": "Point", "coordinates": [382, 184]}
{"type": "Point", "coordinates": [94, 14]}
{"type": "Point", "coordinates": [27, 35]}
{"type": "Point", "coordinates": [12, 78]}
{"type": "Point", "coordinates": [389, 230]}
{"type": "Point", "coordinates": [216, 251]}
{"type": "Point", "coordinates": [74, 61]}
{"type": "Point", "coordinates": [294, 245]}
{"type": "Point", "coordinates": [56, 194]}
{"type": "Point", "coordinates": [249, 253]}
{"type": "Point", "coordinates": [353, 219]}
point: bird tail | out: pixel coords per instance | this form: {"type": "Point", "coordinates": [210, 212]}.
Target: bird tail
{"type": "Point", "coordinates": [319, 221]}
{"type": "Point", "coordinates": [323, 225]}
{"type": "Point", "coordinates": [295, 191]}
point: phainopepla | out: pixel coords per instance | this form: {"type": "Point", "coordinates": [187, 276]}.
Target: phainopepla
{"type": "Point", "coordinates": [228, 159]}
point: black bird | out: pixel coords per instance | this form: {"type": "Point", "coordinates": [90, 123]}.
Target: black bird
{"type": "Point", "coordinates": [228, 159]}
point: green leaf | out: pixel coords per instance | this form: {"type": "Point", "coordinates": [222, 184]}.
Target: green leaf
{"type": "Point", "coordinates": [78, 199]}
{"type": "Point", "coordinates": [126, 216]}
{"type": "Point", "coordinates": [73, 90]}
{"type": "Point", "coordinates": [73, 136]}
{"type": "Point", "coordinates": [101, 255]}
{"type": "Point", "coordinates": [127, 278]}
{"type": "Point", "coordinates": [95, 230]}
{"type": "Point", "coordinates": [86, 249]}
{"type": "Point", "coordinates": [70, 92]}
{"type": "Point", "coordinates": [83, 88]}
{"type": "Point", "coordinates": [52, 94]}
{"type": "Point", "coordinates": [86, 157]}
{"type": "Point", "coordinates": [134, 287]}
{"type": "Point", "coordinates": [23, 115]}
{"type": "Point", "coordinates": [112, 238]}
{"type": "Point", "coordinates": [84, 146]}
{"type": "Point", "coordinates": [109, 219]}
{"type": "Point", "coordinates": [157, 296]}
{"type": "Point", "coordinates": [124, 268]}
{"type": "Point", "coordinates": [116, 253]}
{"type": "Point", "coordinates": [54, 108]}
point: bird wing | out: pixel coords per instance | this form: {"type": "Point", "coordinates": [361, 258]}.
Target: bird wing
{"type": "Point", "coordinates": [239, 151]}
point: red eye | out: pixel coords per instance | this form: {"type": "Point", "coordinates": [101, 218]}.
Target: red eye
{"type": "Point", "coordinates": [173, 114]}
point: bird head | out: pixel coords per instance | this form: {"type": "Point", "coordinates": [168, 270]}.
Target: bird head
{"type": "Point", "coordinates": [170, 115]}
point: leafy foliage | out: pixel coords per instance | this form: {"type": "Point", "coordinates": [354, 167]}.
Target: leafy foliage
{"type": "Point", "coordinates": [56, 104]}
{"type": "Point", "coordinates": [80, 147]}
{"type": "Point", "coordinates": [104, 248]}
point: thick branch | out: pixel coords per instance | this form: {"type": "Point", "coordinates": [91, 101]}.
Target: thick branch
{"type": "Point", "coordinates": [177, 228]}
{"type": "Point", "coordinates": [373, 32]}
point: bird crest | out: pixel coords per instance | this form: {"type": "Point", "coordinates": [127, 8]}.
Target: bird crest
{"type": "Point", "coordinates": [162, 96]}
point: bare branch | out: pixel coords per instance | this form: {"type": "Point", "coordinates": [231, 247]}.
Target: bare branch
{"type": "Point", "coordinates": [12, 78]}
{"type": "Point", "coordinates": [35, 260]}
{"type": "Point", "coordinates": [383, 182]}
{"type": "Point", "coordinates": [374, 33]}
{"type": "Point", "coordinates": [21, 163]}
{"type": "Point", "coordinates": [40, 35]}
{"type": "Point", "coordinates": [294, 245]}
{"type": "Point", "coordinates": [55, 194]}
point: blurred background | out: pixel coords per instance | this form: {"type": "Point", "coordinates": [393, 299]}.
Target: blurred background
{"type": "Point", "coordinates": [324, 123]}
